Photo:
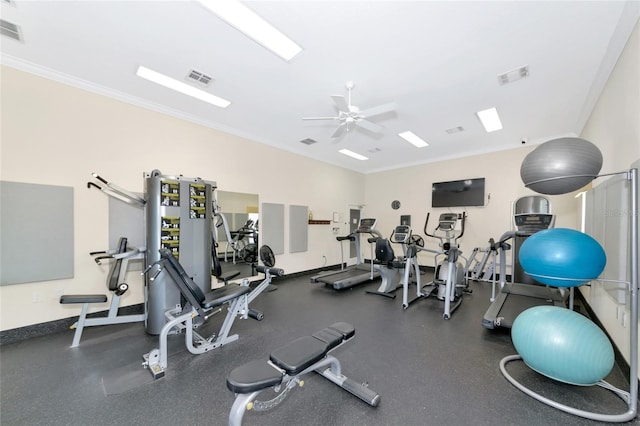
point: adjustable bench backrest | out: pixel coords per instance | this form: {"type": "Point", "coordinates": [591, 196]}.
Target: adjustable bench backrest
{"type": "Point", "coordinates": [116, 266]}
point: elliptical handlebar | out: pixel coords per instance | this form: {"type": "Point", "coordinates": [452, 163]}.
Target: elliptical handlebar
{"type": "Point", "coordinates": [462, 221]}
{"type": "Point", "coordinates": [426, 232]}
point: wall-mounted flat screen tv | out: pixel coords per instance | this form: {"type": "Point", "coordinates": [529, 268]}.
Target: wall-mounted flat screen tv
{"type": "Point", "coordinates": [458, 193]}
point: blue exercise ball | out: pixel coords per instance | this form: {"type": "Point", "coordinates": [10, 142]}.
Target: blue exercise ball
{"type": "Point", "coordinates": [563, 345]}
{"type": "Point", "coordinates": [562, 257]}
{"type": "Point", "coordinates": [575, 160]}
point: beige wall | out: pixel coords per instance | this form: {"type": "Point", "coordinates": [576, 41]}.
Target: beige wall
{"type": "Point", "coordinates": [614, 126]}
{"type": "Point", "coordinates": [412, 187]}
{"type": "Point", "coordinates": [58, 135]}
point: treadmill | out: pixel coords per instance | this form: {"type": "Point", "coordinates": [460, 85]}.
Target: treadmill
{"type": "Point", "coordinates": [358, 273]}
{"type": "Point", "coordinates": [531, 214]}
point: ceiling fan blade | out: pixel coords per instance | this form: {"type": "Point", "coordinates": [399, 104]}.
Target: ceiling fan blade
{"type": "Point", "coordinates": [368, 125]}
{"type": "Point", "coordinates": [380, 109]}
{"type": "Point", "coordinates": [320, 118]}
{"type": "Point", "coordinates": [340, 130]}
{"type": "Point", "coordinates": [340, 102]}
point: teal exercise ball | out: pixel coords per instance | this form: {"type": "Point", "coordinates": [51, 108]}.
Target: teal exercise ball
{"type": "Point", "coordinates": [563, 345]}
{"type": "Point", "coordinates": [569, 163]}
{"type": "Point", "coordinates": [562, 257]}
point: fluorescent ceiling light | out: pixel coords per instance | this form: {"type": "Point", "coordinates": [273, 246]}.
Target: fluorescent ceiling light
{"type": "Point", "coordinates": [490, 119]}
{"type": "Point", "coordinates": [181, 87]}
{"type": "Point", "coordinates": [413, 139]}
{"type": "Point", "coordinates": [246, 21]}
{"type": "Point", "coordinates": [352, 154]}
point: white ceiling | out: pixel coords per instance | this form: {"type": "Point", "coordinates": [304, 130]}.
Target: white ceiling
{"type": "Point", "coordinates": [438, 61]}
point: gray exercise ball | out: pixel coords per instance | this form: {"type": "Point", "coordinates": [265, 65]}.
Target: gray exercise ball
{"type": "Point", "coordinates": [569, 163]}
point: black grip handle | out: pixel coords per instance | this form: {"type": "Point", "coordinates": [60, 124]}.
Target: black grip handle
{"type": "Point", "coordinates": [97, 176]}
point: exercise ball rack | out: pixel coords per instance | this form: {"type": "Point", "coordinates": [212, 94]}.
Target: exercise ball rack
{"type": "Point", "coordinates": [630, 397]}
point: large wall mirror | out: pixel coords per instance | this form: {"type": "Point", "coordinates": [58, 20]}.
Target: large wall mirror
{"type": "Point", "coordinates": [241, 215]}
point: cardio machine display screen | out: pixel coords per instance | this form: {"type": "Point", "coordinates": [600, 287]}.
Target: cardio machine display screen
{"type": "Point", "coordinates": [458, 193]}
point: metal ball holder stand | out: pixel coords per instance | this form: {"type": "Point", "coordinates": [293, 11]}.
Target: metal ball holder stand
{"type": "Point", "coordinates": [630, 397]}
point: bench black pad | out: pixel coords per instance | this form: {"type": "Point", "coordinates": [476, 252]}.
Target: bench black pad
{"type": "Point", "coordinates": [253, 376]}
{"type": "Point", "coordinates": [347, 330]}
{"type": "Point", "coordinates": [293, 358]}
{"type": "Point", "coordinates": [296, 356]}
{"type": "Point", "coordinates": [83, 298]}
{"type": "Point", "coordinates": [221, 295]}
{"type": "Point", "coordinates": [329, 336]}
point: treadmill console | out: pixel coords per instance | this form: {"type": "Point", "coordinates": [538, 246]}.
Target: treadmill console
{"type": "Point", "coordinates": [366, 226]}
{"type": "Point", "coordinates": [401, 234]}
{"type": "Point", "coordinates": [533, 222]}
{"type": "Point", "coordinates": [532, 214]}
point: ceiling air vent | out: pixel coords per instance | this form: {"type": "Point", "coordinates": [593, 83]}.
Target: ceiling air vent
{"type": "Point", "coordinates": [513, 75]}
{"type": "Point", "coordinates": [10, 30]}
{"type": "Point", "coordinates": [9, 2]}
{"type": "Point", "coordinates": [456, 129]}
{"type": "Point", "coordinates": [308, 141]}
{"type": "Point", "coordinates": [199, 77]}
{"type": "Point", "coordinates": [374, 150]}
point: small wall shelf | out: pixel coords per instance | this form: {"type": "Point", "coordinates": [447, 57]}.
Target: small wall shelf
{"type": "Point", "coordinates": [319, 222]}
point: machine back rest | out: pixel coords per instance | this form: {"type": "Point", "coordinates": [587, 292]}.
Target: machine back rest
{"type": "Point", "coordinates": [116, 266]}
{"type": "Point", "coordinates": [187, 287]}
{"type": "Point", "coordinates": [384, 251]}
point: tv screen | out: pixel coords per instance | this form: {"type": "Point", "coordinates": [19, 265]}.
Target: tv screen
{"type": "Point", "coordinates": [458, 193]}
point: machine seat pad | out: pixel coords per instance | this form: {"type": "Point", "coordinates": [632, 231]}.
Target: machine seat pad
{"type": "Point", "coordinates": [221, 295]}
{"type": "Point", "coordinates": [299, 354]}
{"type": "Point", "coordinates": [398, 264]}
{"type": "Point", "coordinates": [82, 298]}
{"type": "Point", "coordinates": [253, 376]}
{"type": "Point", "coordinates": [228, 275]}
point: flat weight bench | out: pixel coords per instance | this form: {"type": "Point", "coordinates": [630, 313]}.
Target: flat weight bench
{"type": "Point", "coordinates": [202, 306]}
{"type": "Point", "coordinates": [287, 365]}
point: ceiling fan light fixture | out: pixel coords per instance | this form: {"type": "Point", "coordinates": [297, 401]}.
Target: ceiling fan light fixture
{"type": "Point", "coordinates": [413, 139]}
{"type": "Point", "coordinates": [490, 119]}
{"type": "Point", "coordinates": [253, 26]}
{"type": "Point", "coordinates": [178, 86]}
{"type": "Point", "coordinates": [353, 154]}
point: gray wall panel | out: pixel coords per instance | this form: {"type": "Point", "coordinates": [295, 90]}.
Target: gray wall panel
{"type": "Point", "coordinates": [36, 232]}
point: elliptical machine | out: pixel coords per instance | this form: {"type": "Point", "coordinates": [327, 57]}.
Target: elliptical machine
{"type": "Point", "coordinates": [450, 281]}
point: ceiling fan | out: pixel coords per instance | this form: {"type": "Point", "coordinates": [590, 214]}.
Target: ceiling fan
{"type": "Point", "coordinates": [351, 116]}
